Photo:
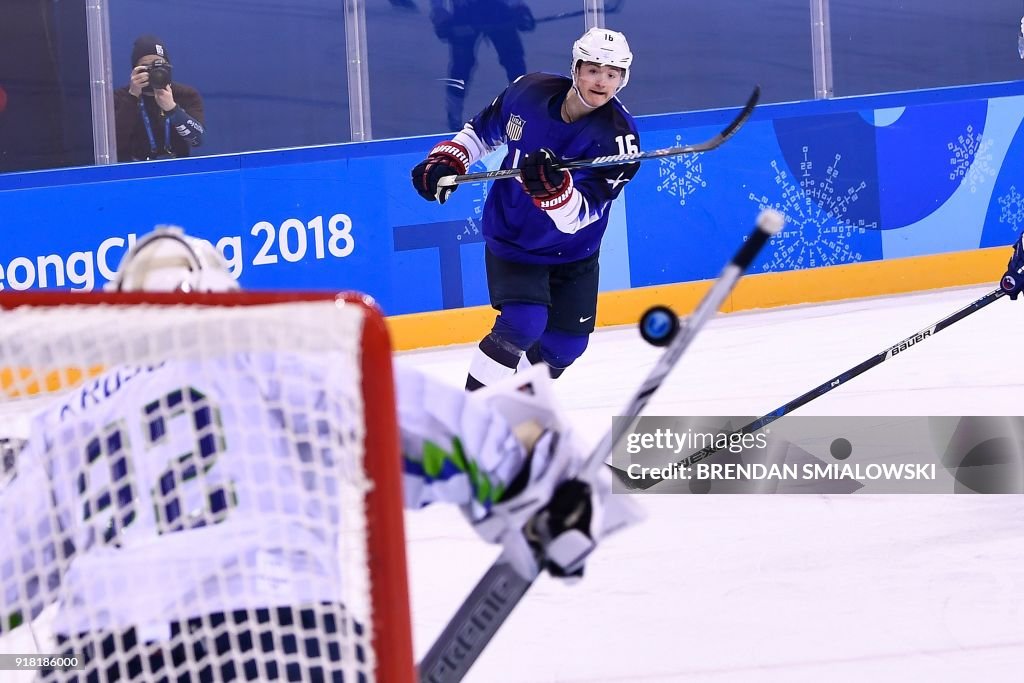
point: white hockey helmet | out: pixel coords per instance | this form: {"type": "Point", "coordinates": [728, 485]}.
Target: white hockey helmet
{"type": "Point", "coordinates": [605, 47]}
{"type": "Point", "coordinates": [168, 260]}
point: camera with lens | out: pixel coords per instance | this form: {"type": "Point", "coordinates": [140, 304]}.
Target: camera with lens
{"type": "Point", "coordinates": [159, 74]}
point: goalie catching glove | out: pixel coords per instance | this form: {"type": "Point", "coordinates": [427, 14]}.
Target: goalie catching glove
{"type": "Point", "coordinates": [549, 519]}
{"type": "Point", "coordinates": [549, 186]}
{"type": "Point", "coordinates": [445, 159]}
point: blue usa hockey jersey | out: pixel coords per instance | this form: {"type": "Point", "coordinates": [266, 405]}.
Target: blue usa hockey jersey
{"type": "Point", "coordinates": [526, 117]}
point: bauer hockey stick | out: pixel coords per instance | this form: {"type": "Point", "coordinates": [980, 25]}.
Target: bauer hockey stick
{"type": "Point", "coordinates": [823, 388]}
{"type": "Point", "coordinates": [501, 588]}
{"type": "Point", "coordinates": [618, 159]}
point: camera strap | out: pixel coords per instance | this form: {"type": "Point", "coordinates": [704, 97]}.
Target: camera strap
{"type": "Point", "coordinates": [149, 130]}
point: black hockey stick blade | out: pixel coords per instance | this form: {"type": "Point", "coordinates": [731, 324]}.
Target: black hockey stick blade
{"type": "Point", "coordinates": [619, 159]}
{"type": "Point", "coordinates": [822, 389]}
{"type": "Point", "coordinates": [610, 7]}
{"type": "Point", "coordinates": [495, 596]}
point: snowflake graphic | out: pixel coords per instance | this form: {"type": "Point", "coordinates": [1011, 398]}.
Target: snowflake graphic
{"type": "Point", "coordinates": [971, 158]}
{"type": "Point", "coordinates": [1012, 210]}
{"type": "Point", "coordinates": [817, 230]}
{"type": "Point", "coordinates": [681, 176]}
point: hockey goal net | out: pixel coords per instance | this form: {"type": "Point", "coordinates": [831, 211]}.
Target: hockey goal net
{"type": "Point", "coordinates": [202, 487]}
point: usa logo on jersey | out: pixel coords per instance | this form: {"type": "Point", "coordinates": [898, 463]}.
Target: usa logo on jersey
{"type": "Point", "coordinates": [514, 129]}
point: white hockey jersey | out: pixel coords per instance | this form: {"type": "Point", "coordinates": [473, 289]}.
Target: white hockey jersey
{"type": "Point", "coordinates": [195, 487]}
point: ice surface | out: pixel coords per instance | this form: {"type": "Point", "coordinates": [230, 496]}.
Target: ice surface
{"type": "Point", "coordinates": [771, 588]}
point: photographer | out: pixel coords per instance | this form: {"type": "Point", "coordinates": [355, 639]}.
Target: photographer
{"type": "Point", "coordinates": [156, 118]}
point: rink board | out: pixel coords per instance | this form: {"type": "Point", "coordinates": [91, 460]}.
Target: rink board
{"type": "Point", "coordinates": [866, 183]}
{"type": "Point", "coordinates": [768, 290]}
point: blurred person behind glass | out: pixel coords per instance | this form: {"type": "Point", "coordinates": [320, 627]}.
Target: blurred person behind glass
{"type": "Point", "coordinates": [462, 24]}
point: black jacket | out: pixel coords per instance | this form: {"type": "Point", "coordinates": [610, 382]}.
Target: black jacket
{"type": "Point", "coordinates": [186, 129]}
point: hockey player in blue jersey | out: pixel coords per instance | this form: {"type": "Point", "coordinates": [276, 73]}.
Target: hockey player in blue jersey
{"type": "Point", "coordinates": [543, 233]}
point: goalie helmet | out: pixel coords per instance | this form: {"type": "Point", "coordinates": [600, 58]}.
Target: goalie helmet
{"type": "Point", "coordinates": [168, 260]}
{"type": "Point", "coordinates": [605, 47]}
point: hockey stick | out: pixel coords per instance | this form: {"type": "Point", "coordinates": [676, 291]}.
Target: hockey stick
{"type": "Point", "coordinates": [610, 7]}
{"type": "Point", "coordinates": [618, 159]}
{"type": "Point", "coordinates": [501, 588]}
{"type": "Point", "coordinates": [824, 387]}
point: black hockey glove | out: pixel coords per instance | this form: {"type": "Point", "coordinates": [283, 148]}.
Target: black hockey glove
{"type": "Point", "coordinates": [560, 532]}
{"type": "Point", "coordinates": [447, 158]}
{"type": "Point", "coordinates": [1013, 280]}
{"type": "Point", "coordinates": [549, 186]}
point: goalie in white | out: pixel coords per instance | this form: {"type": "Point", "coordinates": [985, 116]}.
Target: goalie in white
{"type": "Point", "coordinates": [120, 558]}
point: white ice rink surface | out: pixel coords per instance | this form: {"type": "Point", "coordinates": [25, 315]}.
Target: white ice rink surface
{"type": "Point", "coordinates": [771, 588]}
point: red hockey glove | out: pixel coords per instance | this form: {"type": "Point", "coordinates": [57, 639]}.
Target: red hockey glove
{"type": "Point", "coordinates": [447, 158]}
{"type": "Point", "coordinates": [549, 186]}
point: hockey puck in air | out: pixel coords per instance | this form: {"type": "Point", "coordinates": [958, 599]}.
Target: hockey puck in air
{"type": "Point", "coordinates": [659, 325]}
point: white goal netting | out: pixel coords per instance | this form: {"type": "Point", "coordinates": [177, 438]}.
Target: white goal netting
{"type": "Point", "coordinates": [202, 492]}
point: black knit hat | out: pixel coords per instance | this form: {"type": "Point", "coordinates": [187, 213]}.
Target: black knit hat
{"type": "Point", "coordinates": [148, 45]}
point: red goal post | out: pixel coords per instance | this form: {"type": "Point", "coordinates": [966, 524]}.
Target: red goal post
{"type": "Point", "coordinates": [391, 639]}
